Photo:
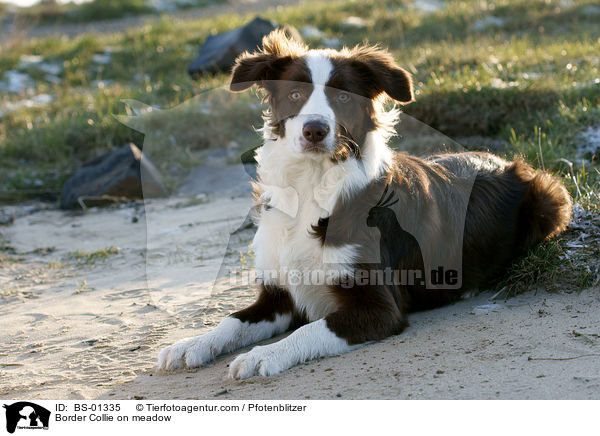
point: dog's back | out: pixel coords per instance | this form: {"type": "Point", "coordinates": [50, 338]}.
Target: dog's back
{"type": "Point", "coordinates": [512, 207]}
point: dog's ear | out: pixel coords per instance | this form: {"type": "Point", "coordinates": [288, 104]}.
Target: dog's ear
{"type": "Point", "coordinates": [251, 68]}
{"type": "Point", "coordinates": [388, 77]}
{"type": "Point", "coordinates": [279, 49]}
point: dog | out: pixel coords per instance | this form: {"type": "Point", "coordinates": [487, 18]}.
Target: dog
{"type": "Point", "coordinates": [332, 197]}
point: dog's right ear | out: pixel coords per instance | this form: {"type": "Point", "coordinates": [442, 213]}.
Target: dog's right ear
{"type": "Point", "coordinates": [279, 49]}
{"type": "Point", "coordinates": [251, 68]}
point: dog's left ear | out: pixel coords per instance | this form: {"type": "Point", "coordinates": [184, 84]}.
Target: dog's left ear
{"type": "Point", "coordinates": [389, 77]}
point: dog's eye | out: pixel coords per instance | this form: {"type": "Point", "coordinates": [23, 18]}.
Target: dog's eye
{"type": "Point", "coordinates": [343, 97]}
{"type": "Point", "coordinates": [295, 95]}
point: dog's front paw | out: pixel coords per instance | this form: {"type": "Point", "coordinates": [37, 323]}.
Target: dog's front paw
{"type": "Point", "coordinates": [259, 361]}
{"type": "Point", "coordinates": [189, 353]}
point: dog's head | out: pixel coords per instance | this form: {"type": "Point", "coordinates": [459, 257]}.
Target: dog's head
{"type": "Point", "coordinates": [322, 102]}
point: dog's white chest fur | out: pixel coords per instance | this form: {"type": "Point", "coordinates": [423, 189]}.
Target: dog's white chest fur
{"type": "Point", "coordinates": [300, 190]}
{"type": "Point", "coordinates": [286, 253]}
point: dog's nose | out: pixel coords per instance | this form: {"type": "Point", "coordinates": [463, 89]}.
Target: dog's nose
{"type": "Point", "coordinates": [315, 131]}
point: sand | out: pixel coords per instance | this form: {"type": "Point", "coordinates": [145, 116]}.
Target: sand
{"type": "Point", "coordinates": [76, 330]}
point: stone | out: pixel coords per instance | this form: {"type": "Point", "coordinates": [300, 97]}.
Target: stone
{"type": "Point", "coordinates": [125, 173]}
{"type": "Point", "coordinates": [218, 53]}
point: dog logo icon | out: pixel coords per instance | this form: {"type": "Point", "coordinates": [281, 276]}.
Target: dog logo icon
{"type": "Point", "coordinates": [26, 415]}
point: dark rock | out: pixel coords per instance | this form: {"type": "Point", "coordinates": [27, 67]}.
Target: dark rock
{"type": "Point", "coordinates": [218, 52]}
{"type": "Point", "coordinates": [122, 173]}
{"type": "Point", "coordinates": [6, 219]}
{"type": "Point", "coordinates": [221, 179]}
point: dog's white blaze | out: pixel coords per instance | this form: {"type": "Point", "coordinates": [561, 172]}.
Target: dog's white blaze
{"type": "Point", "coordinates": [317, 106]}
{"type": "Point", "coordinates": [320, 67]}
{"type": "Point", "coordinates": [308, 342]}
{"type": "Point", "coordinates": [229, 335]}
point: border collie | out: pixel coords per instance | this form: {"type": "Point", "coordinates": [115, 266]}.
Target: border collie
{"type": "Point", "coordinates": [333, 198]}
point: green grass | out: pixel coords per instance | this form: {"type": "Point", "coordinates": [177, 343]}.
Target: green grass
{"type": "Point", "coordinates": [4, 259]}
{"type": "Point", "coordinates": [546, 267]}
{"type": "Point", "coordinates": [82, 287]}
{"type": "Point", "coordinates": [50, 12]}
{"type": "Point", "coordinates": [56, 265]}
{"type": "Point", "coordinates": [89, 258]}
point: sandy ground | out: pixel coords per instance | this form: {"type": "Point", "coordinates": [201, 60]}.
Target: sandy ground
{"type": "Point", "coordinates": [471, 350]}
{"type": "Point", "coordinates": [72, 329]}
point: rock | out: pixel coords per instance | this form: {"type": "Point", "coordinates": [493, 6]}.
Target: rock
{"type": "Point", "coordinates": [102, 58]}
{"type": "Point", "coordinates": [122, 173]}
{"type": "Point", "coordinates": [332, 43]}
{"type": "Point", "coordinates": [6, 219]}
{"type": "Point", "coordinates": [487, 23]}
{"type": "Point", "coordinates": [354, 23]}
{"type": "Point", "coordinates": [429, 6]}
{"type": "Point", "coordinates": [218, 52]}
{"type": "Point", "coordinates": [591, 10]}
{"type": "Point", "coordinates": [216, 179]}
{"type": "Point", "coordinates": [221, 179]}
{"type": "Point", "coordinates": [588, 143]}
{"type": "Point", "coordinates": [15, 82]}
{"type": "Point", "coordinates": [312, 32]}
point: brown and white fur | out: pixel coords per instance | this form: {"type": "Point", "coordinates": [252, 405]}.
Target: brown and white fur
{"type": "Point", "coordinates": [327, 182]}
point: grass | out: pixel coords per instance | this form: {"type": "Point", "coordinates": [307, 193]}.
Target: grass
{"type": "Point", "coordinates": [82, 287]}
{"type": "Point", "coordinates": [247, 259]}
{"type": "Point", "coordinates": [547, 53]}
{"type": "Point", "coordinates": [544, 267]}
{"type": "Point", "coordinates": [532, 82]}
{"type": "Point", "coordinates": [50, 12]}
{"type": "Point", "coordinates": [4, 259]}
{"type": "Point", "coordinates": [89, 258]}
{"type": "Point", "coordinates": [56, 265]}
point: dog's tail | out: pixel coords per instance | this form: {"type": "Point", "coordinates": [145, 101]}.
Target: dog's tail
{"type": "Point", "coordinates": [546, 207]}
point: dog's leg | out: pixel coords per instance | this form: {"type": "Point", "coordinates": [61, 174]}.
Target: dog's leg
{"type": "Point", "coordinates": [308, 342]}
{"type": "Point", "coordinates": [337, 333]}
{"type": "Point", "coordinates": [270, 315]}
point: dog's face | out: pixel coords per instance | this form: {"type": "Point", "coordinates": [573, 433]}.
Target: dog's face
{"type": "Point", "coordinates": [322, 102]}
